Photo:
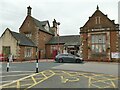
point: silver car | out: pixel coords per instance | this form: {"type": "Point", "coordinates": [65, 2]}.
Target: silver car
{"type": "Point", "coordinates": [68, 58]}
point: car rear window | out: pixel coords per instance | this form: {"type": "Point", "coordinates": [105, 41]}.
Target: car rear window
{"type": "Point", "coordinates": [63, 54]}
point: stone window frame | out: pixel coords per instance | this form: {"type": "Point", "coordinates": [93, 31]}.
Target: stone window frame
{"type": "Point", "coordinates": [28, 51]}
{"type": "Point", "coordinates": [99, 44]}
{"type": "Point", "coordinates": [97, 20]}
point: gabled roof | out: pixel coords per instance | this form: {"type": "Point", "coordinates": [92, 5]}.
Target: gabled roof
{"type": "Point", "coordinates": [98, 11]}
{"type": "Point", "coordinates": [23, 40]}
{"type": "Point", "coordinates": [66, 40]}
{"type": "Point", "coordinates": [40, 24]}
{"type": "Point", "coordinates": [44, 22]}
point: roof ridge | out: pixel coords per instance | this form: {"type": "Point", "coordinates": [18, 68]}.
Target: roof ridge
{"type": "Point", "coordinates": [39, 24]}
{"type": "Point", "coordinates": [20, 37]}
{"type": "Point", "coordinates": [98, 10]}
{"type": "Point", "coordinates": [70, 35]}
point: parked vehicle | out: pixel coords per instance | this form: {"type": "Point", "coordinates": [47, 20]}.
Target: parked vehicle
{"type": "Point", "coordinates": [68, 58]}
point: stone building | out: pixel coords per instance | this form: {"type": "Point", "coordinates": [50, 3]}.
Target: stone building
{"type": "Point", "coordinates": [99, 38]}
{"type": "Point", "coordinates": [18, 45]}
{"type": "Point", "coordinates": [63, 44]}
{"type": "Point", "coordinates": [37, 39]}
{"type": "Point", "coordinates": [39, 32]}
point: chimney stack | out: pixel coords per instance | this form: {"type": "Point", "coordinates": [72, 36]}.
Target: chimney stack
{"type": "Point", "coordinates": [29, 10]}
{"type": "Point", "coordinates": [55, 27]}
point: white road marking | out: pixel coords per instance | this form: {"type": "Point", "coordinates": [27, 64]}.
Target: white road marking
{"type": "Point", "coordinates": [15, 71]}
{"type": "Point", "coordinates": [14, 75]}
{"type": "Point", "coordinates": [6, 81]}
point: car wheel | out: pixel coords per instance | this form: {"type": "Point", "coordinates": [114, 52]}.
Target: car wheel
{"type": "Point", "coordinates": [77, 60]}
{"type": "Point", "coordinates": [60, 60]}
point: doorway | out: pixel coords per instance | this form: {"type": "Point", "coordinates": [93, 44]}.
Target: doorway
{"type": "Point", "coordinates": [6, 51]}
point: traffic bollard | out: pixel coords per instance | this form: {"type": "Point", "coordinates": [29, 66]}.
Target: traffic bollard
{"type": "Point", "coordinates": [36, 65]}
{"type": "Point", "coordinates": [8, 64]}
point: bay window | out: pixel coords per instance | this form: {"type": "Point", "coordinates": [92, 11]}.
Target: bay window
{"type": "Point", "coordinates": [98, 43]}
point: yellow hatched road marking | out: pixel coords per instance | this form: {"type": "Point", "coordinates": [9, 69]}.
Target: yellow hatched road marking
{"type": "Point", "coordinates": [97, 80]}
{"type": "Point", "coordinates": [41, 80]}
{"type": "Point", "coordinates": [89, 82]}
{"type": "Point", "coordinates": [22, 79]}
{"type": "Point", "coordinates": [15, 85]}
{"type": "Point", "coordinates": [96, 86]}
{"type": "Point", "coordinates": [33, 79]}
{"type": "Point", "coordinates": [103, 81]}
{"type": "Point", "coordinates": [113, 84]}
{"type": "Point", "coordinates": [17, 80]}
{"type": "Point", "coordinates": [18, 84]}
{"type": "Point", "coordinates": [66, 76]}
{"type": "Point", "coordinates": [84, 75]}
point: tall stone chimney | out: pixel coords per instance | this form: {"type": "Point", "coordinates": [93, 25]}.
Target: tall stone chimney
{"type": "Point", "coordinates": [54, 23]}
{"type": "Point", "coordinates": [29, 10]}
{"type": "Point", "coordinates": [55, 27]}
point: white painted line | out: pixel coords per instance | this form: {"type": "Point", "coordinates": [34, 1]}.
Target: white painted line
{"type": "Point", "coordinates": [14, 75]}
{"type": "Point", "coordinates": [22, 71]}
{"type": "Point", "coordinates": [6, 81]}
{"type": "Point", "coordinates": [15, 71]}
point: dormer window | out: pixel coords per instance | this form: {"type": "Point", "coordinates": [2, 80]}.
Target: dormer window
{"type": "Point", "coordinates": [97, 20]}
{"type": "Point", "coordinates": [28, 35]}
{"type": "Point", "coordinates": [46, 27]}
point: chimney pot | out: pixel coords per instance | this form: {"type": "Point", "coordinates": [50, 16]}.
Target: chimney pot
{"type": "Point", "coordinates": [29, 10]}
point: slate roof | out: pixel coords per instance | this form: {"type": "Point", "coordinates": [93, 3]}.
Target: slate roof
{"type": "Point", "coordinates": [66, 40]}
{"type": "Point", "coordinates": [23, 40]}
{"type": "Point", "coordinates": [40, 24]}
{"type": "Point", "coordinates": [98, 11]}
{"type": "Point", "coordinates": [44, 22]}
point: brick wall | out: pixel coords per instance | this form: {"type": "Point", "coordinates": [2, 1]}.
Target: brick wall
{"type": "Point", "coordinates": [22, 53]}
{"type": "Point", "coordinates": [39, 37]}
{"type": "Point", "coordinates": [43, 39]}
{"type": "Point", "coordinates": [109, 30]}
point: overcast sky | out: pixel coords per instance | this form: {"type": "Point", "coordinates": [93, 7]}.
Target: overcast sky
{"type": "Point", "coordinates": [72, 14]}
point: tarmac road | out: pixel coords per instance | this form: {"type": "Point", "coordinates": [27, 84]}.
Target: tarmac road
{"type": "Point", "coordinates": [61, 75]}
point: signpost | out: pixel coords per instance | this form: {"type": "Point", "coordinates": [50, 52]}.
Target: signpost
{"type": "Point", "coordinates": [115, 54]}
